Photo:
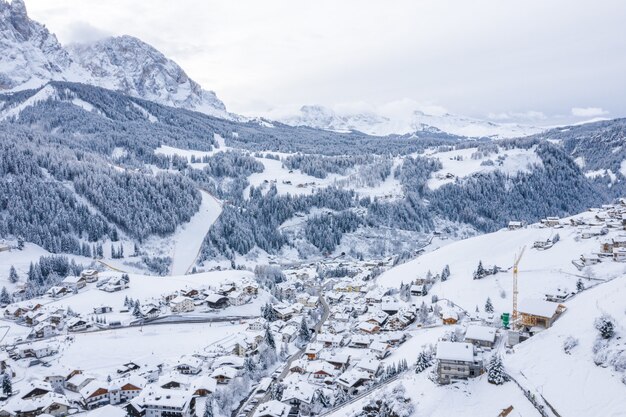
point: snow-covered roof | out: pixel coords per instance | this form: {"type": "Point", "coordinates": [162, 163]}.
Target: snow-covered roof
{"type": "Point", "coordinates": [482, 333]}
{"type": "Point", "coordinates": [272, 408]}
{"type": "Point", "coordinates": [538, 307]}
{"type": "Point", "coordinates": [107, 411]}
{"type": "Point", "coordinates": [455, 351]}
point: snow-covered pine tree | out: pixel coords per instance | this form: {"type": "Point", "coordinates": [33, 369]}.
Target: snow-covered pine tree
{"type": "Point", "coordinates": [303, 334]}
{"type": "Point", "coordinates": [13, 277]}
{"type": "Point", "coordinates": [495, 371]}
{"type": "Point", "coordinates": [137, 309]}
{"type": "Point", "coordinates": [605, 326]}
{"type": "Point", "coordinates": [579, 285]}
{"type": "Point", "coordinates": [7, 385]}
{"type": "Point", "coordinates": [5, 297]}
{"type": "Point", "coordinates": [208, 407]}
{"type": "Point", "coordinates": [424, 361]}
{"type": "Point", "coordinates": [445, 274]}
{"type": "Point", "coordinates": [488, 306]}
{"type": "Point", "coordinates": [269, 339]}
{"type": "Point", "coordinates": [480, 271]}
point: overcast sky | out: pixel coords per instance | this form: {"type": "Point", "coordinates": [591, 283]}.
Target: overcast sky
{"type": "Point", "coordinates": [535, 61]}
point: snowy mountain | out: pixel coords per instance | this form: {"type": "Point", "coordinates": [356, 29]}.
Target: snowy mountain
{"type": "Point", "coordinates": [372, 123]}
{"type": "Point", "coordinates": [30, 56]}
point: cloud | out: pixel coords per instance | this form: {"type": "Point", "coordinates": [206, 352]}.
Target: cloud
{"type": "Point", "coordinates": [588, 111]}
{"type": "Point", "coordinates": [83, 32]}
{"type": "Point", "coordinates": [527, 116]}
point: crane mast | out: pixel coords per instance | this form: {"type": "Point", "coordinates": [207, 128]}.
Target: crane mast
{"type": "Point", "coordinates": [515, 315]}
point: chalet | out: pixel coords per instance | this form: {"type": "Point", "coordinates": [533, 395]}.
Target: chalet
{"type": "Point", "coordinates": [400, 320]}
{"type": "Point", "coordinates": [43, 331]}
{"type": "Point", "coordinates": [590, 232]}
{"type": "Point", "coordinates": [250, 288]}
{"type": "Point", "coordinates": [237, 298]}
{"type": "Point", "coordinates": [74, 283]}
{"type": "Point", "coordinates": [351, 380]}
{"type": "Point", "coordinates": [289, 333]}
{"type": "Point", "coordinates": [380, 350]}
{"type": "Point", "coordinates": [457, 361]}
{"type": "Point", "coordinates": [37, 350]}
{"type": "Point", "coordinates": [189, 365]}
{"type": "Point", "coordinates": [339, 361]}
{"type": "Point", "coordinates": [299, 396]}
{"type": "Point", "coordinates": [226, 288]}
{"type": "Point", "coordinates": [313, 351]}
{"type": "Point", "coordinates": [551, 221]}
{"type": "Point", "coordinates": [203, 386]}
{"type": "Point", "coordinates": [114, 284]}
{"type": "Point", "coordinates": [224, 374]}
{"type": "Point", "coordinates": [90, 275]}
{"type": "Point", "coordinates": [320, 370]}
{"type": "Point", "coordinates": [390, 305]}
{"type": "Point", "coordinates": [449, 316]}
{"type": "Point", "coordinates": [330, 340]}
{"type": "Point", "coordinates": [480, 335]}
{"type": "Point", "coordinates": [419, 290]}
{"type": "Point", "coordinates": [157, 402]}
{"type": "Point", "coordinates": [514, 225]}
{"type": "Point", "coordinates": [128, 367]}
{"type": "Point", "coordinates": [216, 301]}
{"type": "Point", "coordinates": [298, 366]}
{"type": "Point", "coordinates": [77, 382]}
{"type": "Point", "coordinates": [149, 311]}
{"type": "Point", "coordinates": [181, 304]}
{"type": "Point", "coordinates": [272, 408]}
{"type": "Point", "coordinates": [36, 389]}
{"type": "Point", "coordinates": [77, 324]}
{"type": "Point", "coordinates": [95, 394]}
{"type": "Point", "coordinates": [368, 327]}
{"type": "Point", "coordinates": [257, 325]}
{"type": "Point", "coordinates": [58, 291]}
{"type": "Point", "coordinates": [619, 254]}
{"type": "Point", "coordinates": [53, 404]}
{"type": "Point", "coordinates": [334, 297]}
{"type": "Point", "coordinates": [539, 314]}
{"type": "Point", "coordinates": [13, 312]}
{"type": "Point", "coordinates": [369, 365]}
{"type": "Point", "coordinates": [378, 318]}
{"type": "Point", "coordinates": [191, 293]}
{"type": "Point", "coordinates": [102, 310]}
{"type": "Point", "coordinates": [360, 341]}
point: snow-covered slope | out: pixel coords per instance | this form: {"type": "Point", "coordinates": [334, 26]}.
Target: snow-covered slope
{"type": "Point", "coordinates": [30, 56]}
{"type": "Point", "coordinates": [417, 121]}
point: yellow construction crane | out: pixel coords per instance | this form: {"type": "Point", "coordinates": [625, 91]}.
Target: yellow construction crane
{"type": "Point", "coordinates": [515, 291]}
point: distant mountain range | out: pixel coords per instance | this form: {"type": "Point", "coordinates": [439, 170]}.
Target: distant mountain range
{"type": "Point", "coordinates": [418, 121]}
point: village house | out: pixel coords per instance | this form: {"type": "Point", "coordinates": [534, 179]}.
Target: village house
{"type": "Point", "coordinates": [77, 382]}
{"type": "Point", "coordinates": [189, 365]}
{"type": "Point", "coordinates": [514, 225]}
{"type": "Point", "coordinates": [216, 301]}
{"type": "Point", "coordinates": [360, 341]}
{"type": "Point", "coordinates": [272, 408]}
{"type": "Point", "coordinates": [149, 311]}
{"type": "Point", "coordinates": [95, 394]}
{"type": "Point", "coordinates": [369, 365]}
{"type": "Point", "coordinates": [619, 254]}
{"type": "Point", "coordinates": [224, 374]}
{"type": "Point", "coordinates": [418, 290]}
{"type": "Point", "coordinates": [368, 327]}
{"type": "Point", "coordinates": [313, 351]}
{"type": "Point", "coordinates": [36, 389]}
{"type": "Point", "coordinates": [90, 275]}
{"type": "Point", "coordinates": [237, 298]}
{"type": "Point", "coordinates": [181, 304]}
{"type": "Point", "coordinates": [76, 324]}
{"type": "Point", "coordinates": [102, 310]}
{"type": "Point", "coordinates": [58, 291]}
{"type": "Point", "coordinates": [51, 404]}
{"type": "Point", "coordinates": [321, 370]}
{"type": "Point", "coordinates": [74, 283]}
{"type": "Point", "coordinates": [330, 340]}
{"type": "Point", "coordinates": [351, 380]}
{"type": "Point", "coordinates": [449, 316]}
{"type": "Point", "coordinates": [298, 366]}
{"type": "Point", "coordinates": [379, 349]}
{"type": "Point", "coordinates": [299, 396]}
{"type": "Point", "coordinates": [160, 403]}
{"type": "Point", "coordinates": [339, 361]}
{"type": "Point", "coordinates": [539, 314]}
{"type": "Point", "coordinates": [480, 335]}
{"type": "Point", "coordinates": [457, 361]}
{"type": "Point", "coordinates": [250, 288]}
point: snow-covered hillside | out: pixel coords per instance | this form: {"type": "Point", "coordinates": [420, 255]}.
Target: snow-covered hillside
{"type": "Point", "coordinates": [372, 123]}
{"type": "Point", "coordinates": [30, 56]}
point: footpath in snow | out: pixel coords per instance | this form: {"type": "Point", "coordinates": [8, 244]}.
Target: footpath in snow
{"type": "Point", "coordinates": [189, 236]}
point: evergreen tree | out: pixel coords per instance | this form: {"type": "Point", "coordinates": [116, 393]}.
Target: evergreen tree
{"type": "Point", "coordinates": [304, 334]}
{"type": "Point", "coordinates": [495, 371]}
{"type": "Point", "coordinates": [20, 242]}
{"type": "Point", "coordinates": [605, 326]}
{"type": "Point", "coordinates": [488, 306]}
{"type": "Point", "coordinates": [5, 297]}
{"type": "Point", "coordinates": [579, 285]}
{"type": "Point", "coordinates": [7, 385]}
{"type": "Point", "coordinates": [13, 277]}
{"type": "Point", "coordinates": [480, 271]}
{"type": "Point", "coordinates": [208, 407]}
{"type": "Point", "coordinates": [269, 339]}
{"type": "Point", "coordinates": [137, 309]}
{"type": "Point", "coordinates": [445, 274]}
{"type": "Point", "coordinates": [424, 361]}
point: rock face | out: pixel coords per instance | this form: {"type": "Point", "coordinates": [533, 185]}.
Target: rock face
{"type": "Point", "coordinates": [31, 56]}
